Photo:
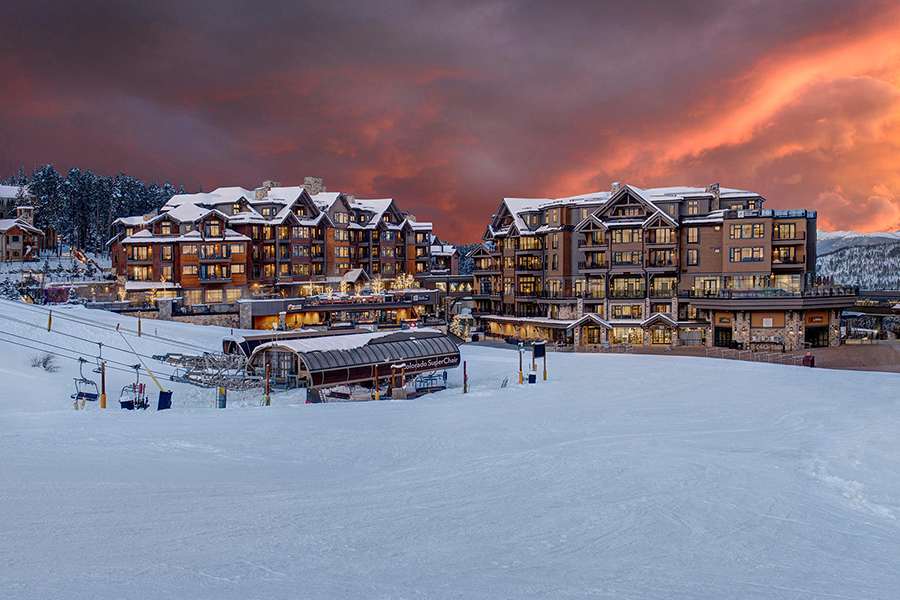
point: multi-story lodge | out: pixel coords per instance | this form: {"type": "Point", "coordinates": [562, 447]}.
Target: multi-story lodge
{"type": "Point", "coordinates": [678, 265]}
{"type": "Point", "coordinates": [274, 241]}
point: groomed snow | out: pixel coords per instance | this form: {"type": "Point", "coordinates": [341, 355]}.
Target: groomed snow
{"type": "Point", "coordinates": [621, 477]}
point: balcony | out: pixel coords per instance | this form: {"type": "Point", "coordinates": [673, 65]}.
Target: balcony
{"type": "Point", "coordinates": [211, 280]}
{"type": "Point", "coordinates": [792, 263]}
{"type": "Point", "coordinates": [640, 293]}
{"type": "Point", "coordinates": [797, 236]}
{"type": "Point", "coordinates": [663, 292]}
{"type": "Point", "coordinates": [629, 263]}
{"type": "Point", "coordinates": [586, 265]}
{"type": "Point", "coordinates": [591, 244]}
{"type": "Point", "coordinates": [813, 292]}
{"type": "Point", "coordinates": [215, 258]}
{"type": "Point", "coordinates": [662, 263]}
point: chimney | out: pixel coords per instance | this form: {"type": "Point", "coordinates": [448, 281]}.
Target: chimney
{"type": "Point", "coordinates": [313, 185]}
{"type": "Point", "coordinates": [713, 189]}
{"type": "Point", "coordinates": [351, 199]}
{"type": "Point", "coordinates": [25, 213]}
{"type": "Point", "coordinates": [271, 183]}
{"type": "Point", "coordinates": [260, 193]}
{"type": "Point", "coordinates": [615, 187]}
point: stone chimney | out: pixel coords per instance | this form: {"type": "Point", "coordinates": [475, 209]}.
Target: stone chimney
{"type": "Point", "coordinates": [616, 186]}
{"type": "Point", "coordinates": [313, 185]}
{"type": "Point", "coordinates": [25, 213]}
{"type": "Point", "coordinates": [260, 193]}
{"type": "Point", "coordinates": [271, 183]}
{"type": "Point", "coordinates": [713, 189]}
{"type": "Point", "coordinates": [351, 199]}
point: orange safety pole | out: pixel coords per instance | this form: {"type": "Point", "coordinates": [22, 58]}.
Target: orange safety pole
{"type": "Point", "coordinates": [49, 320]}
{"type": "Point", "coordinates": [103, 384]}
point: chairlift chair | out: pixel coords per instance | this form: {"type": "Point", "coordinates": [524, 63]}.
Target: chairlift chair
{"type": "Point", "coordinates": [85, 389]}
{"type": "Point", "coordinates": [134, 396]}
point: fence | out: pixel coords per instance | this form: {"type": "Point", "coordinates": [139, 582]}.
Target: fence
{"type": "Point", "coordinates": [779, 358]}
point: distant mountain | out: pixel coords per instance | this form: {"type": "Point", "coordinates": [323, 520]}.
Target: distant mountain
{"type": "Point", "coordinates": [869, 265]}
{"type": "Point", "coordinates": [829, 241]}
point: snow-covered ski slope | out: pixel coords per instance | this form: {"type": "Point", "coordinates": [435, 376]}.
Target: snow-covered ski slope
{"type": "Point", "coordinates": [621, 477]}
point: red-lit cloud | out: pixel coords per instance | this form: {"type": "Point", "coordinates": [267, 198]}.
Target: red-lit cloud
{"type": "Point", "coordinates": [448, 108]}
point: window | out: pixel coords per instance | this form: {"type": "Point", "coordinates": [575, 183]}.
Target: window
{"type": "Point", "coordinates": [301, 232]}
{"type": "Point", "coordinates": [387, 251]}
{"type": "Point", "coordinates": [751, 231]}
{"type": "Point", "coordinates": [255, 271]}
{"type": "Point", "coordinates": [530, 242]}
{"type": "Point", "coordinates": [387, 236]}
{"type": "Point", "coordinates": [341, 252]}
{"type": "Point", "coordinates": [626, 258]}
{"type": "Point", "coordinates": [269, 251]}
{"type": "Point", "coordinates": [662, 236]}
{"type": "Point", "coordinates": [232, 295]}
{"type": "Point", "coordinates": [284, 233]}
{"type": "Point", "coordinates": [189, 249]}
{"type": "Point", "coordinates": [255, 232]}
{"type": "Point", "coordinates": [671, 208]}
{"type": "Point", "coordinates": [142, 274]}
{"type": "Point", "coordinates": [555, 262]}
{"type": "Point", "coordinates": [754, 254]}
{"type": "Point", "coordinates": [165, 272]}
{"type": "Point", "coordinates": [235, 208]}
{"type": "Point", "coordinates": [341, 235]}
{"type": "Point", "coordinates": [237, 248]}
{"type": "Point", "coordinates": [693, 235]}
{"type": "Point", "coordinates": [139, 252]}
{"type": "Point", "coordinates": [269, 270]}
{"type": "Point", "coordinates": [301, 251]}
{"type": "Point", "coordinates": [166, 253]}
{"type": "Point", "coordinates": [284, 269]}
{"type": "Point", "coordinates": [212, 229]}
{"type": "Point", "coordinates": [129, 231]}
{"type": "Point", "coordinates": [193, 296]}
{"type": "Point", "coordinates": [555, 241]}
{"type": "Point", "coordinates": [268, 233]}
{"type": "Point", "coordinates": [627, 311]}
{"type": "Point", "coordinates": [554, 215]}
{"type": "Point", "coordinates": [692, 207]}
{"type": "Point", "coordinates": [214, 296]}
{"type": "Point", "coordinates": [340, 218]}
{"type": "Point", "coordinates": [626, 236]}
{"type": "Point", "coordinates": [188, 269]}
{"type": "Point", "coordinates": [785, 231]}
{"type": "Point", "coordinates": [300, 270]}
{"type": "Point", "coordinates": [693, 257]}
{"type": "Point", "coordinates": [238, 268]}
{"type": "Point", "coordinates": [166, 228]}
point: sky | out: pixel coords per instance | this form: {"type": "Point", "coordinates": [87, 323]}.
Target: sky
{"type": "Point", "coordinates": [448, 107]}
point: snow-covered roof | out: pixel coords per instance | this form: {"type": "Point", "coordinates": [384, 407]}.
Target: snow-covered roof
{"type": "Point", "coordinates": [334, 342]}
{"type": "Point", "coordinates": [138, 220]}
{"type": "Point", "coordinates": [7, 224]}
{"type": "Point", "coordinates": [442, 250]}
{"type": "Point", "coordinates": [145, 236]}
{"type": "Point", "coordinates": [12, 191]}
{"type": "Point", "coordinates": [325, 200]}
{"type": "Point", "coordinates": [223, 194]}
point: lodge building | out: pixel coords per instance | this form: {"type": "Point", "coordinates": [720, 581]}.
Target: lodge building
{"type": "Point", "coordinates": [676, 265]}
{"type": "Point", "coordinates": [273, 241]}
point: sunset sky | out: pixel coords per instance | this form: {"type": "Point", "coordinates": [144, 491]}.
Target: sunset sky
{"type": "Point", "coordinates": [448, 107]}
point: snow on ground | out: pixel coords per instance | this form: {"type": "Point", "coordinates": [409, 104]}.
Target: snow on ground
{"type": "Point", "coordinates": [621, 477]}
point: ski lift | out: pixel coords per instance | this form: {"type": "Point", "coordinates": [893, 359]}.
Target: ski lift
{"type": "Point", "coordinates": [134, 396]}
{"type": "Point", "coordinates": [85, 389]}
{"type": "Point", "coordinates": [98, 369]}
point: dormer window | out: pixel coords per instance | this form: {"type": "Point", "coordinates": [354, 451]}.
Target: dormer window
{"type": "Point", "coordinates": [235, 208]}
{"type": "Point", "coordinates": [129, 231]}
{"type": "Point", "coordinates": [213, 229]}
{"type": "Point", "coordinates": [166, 228]}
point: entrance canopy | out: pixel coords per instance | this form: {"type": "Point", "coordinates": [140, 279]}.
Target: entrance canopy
{"type": "Point", "coordinates": [358, 358]}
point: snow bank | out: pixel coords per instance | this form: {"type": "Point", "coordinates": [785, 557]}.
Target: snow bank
{"type": "Point", "coordinates": [621, 477]}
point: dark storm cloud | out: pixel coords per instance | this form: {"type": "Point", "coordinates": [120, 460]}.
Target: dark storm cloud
{"type": "Point", "coordinates": [450, 106]}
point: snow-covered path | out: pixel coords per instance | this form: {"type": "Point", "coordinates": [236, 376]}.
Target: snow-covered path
{"type": "Point", "coordinates": [621, 477]}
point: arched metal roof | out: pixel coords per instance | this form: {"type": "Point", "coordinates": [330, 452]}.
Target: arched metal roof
{"type": "Point", "coordinates": [365, 358]}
